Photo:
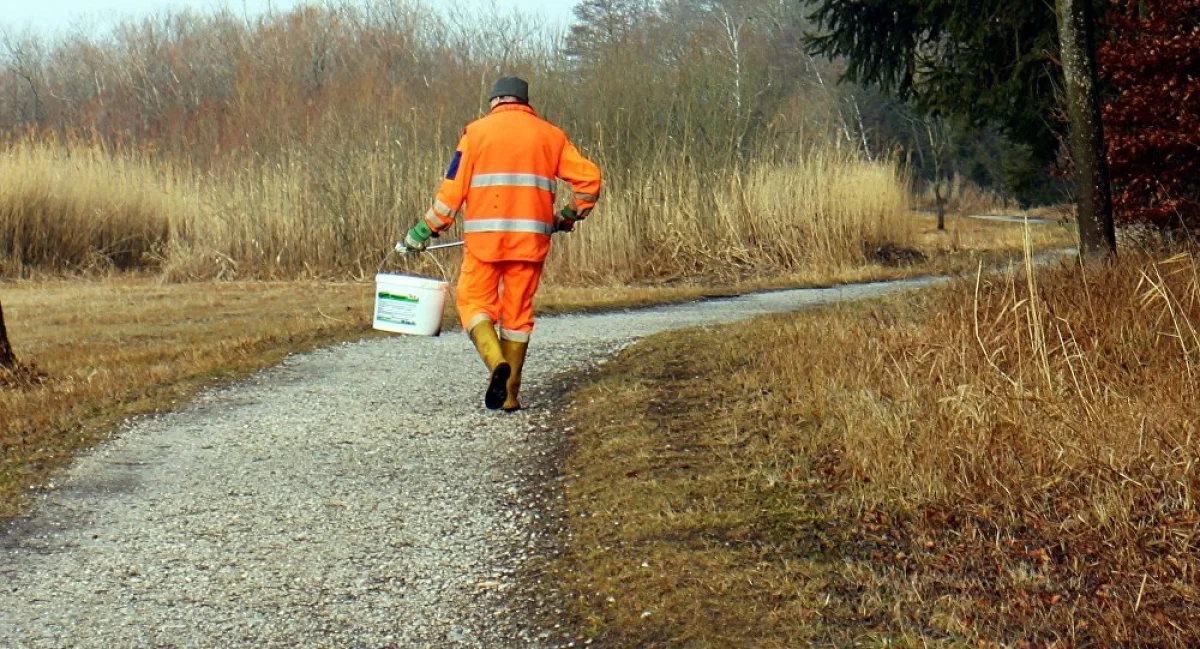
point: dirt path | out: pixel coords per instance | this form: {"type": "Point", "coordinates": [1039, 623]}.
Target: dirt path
{"type": "Point", "coordinates": [353, 497]}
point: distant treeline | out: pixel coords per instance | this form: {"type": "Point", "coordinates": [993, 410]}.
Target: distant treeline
{"type": "Point", "coordinates": [712, 81]}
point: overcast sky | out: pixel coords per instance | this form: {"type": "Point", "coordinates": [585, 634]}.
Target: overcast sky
{"type": "Point", "coordinates": [48, 16]}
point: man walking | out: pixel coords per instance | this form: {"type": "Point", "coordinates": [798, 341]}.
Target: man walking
{"type": "Point", "coordinates": [503, 174]}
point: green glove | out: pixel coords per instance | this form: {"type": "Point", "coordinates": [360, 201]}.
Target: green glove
{"type": "Point", "coordinates": [566, 220]}
{"type": "Point", "coordinates": [418, 237]}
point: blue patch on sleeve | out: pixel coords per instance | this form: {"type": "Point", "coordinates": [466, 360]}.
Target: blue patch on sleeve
{"type": "Point", "coordinates": [452, 172]}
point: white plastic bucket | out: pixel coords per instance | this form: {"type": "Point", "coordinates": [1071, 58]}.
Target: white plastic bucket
{"type": "Point", "coordinates": [409, 305]}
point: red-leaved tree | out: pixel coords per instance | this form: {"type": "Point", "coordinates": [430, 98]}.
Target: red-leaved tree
{"type": "Point", "coordinates": [1152, 120]}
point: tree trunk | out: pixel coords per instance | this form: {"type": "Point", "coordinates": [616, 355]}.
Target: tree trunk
{"type": "Point", "coordinates": [1097, 236]}
{"type": "Point", "coordinates": [7, 360]}
{"type": "Point", "coordinates": [941, 205]}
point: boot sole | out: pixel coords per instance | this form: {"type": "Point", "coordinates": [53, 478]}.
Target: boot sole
{"type": "Point", "coordinates": [497, 391]}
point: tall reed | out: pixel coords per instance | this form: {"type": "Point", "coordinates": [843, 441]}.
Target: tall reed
{"type": "Point", "coordinates": [83, 207]}
{"type": "Point", "coordinates": [336, 212]}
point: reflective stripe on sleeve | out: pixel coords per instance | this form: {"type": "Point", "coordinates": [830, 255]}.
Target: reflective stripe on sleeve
{"type": "Point", "coordinates": [442, 209]}
{"type": "Point", "coordinates": [586, 198]}
{"type": "Point", "coordinates": [514, 180]}
{"type": "Point", "coordinates": [508, 225]}
{"type": "Point", "coordinates": [437, 222]}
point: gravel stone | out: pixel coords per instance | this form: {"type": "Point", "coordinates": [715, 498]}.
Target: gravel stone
{"type": "Point", "coordinates": [357, 496]}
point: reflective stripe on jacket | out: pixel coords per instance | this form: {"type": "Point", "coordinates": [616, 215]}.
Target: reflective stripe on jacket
{"type": "Point", "coordinates": [503, 175]}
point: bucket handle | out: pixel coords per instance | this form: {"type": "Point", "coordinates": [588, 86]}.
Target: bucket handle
{"type": "Point", "coordinates": [403, 249]}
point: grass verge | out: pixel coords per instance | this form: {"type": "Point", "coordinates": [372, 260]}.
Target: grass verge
{"type": "Point", "coordinates": [1008, 464]}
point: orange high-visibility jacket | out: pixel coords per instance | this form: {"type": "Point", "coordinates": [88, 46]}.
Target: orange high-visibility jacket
{"type": "Point", "coordinates": [504, 173]}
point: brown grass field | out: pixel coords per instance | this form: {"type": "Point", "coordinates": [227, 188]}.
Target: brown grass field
{"type": "Point", "coordinates": [117, 346]}
{"type": "Point", "coordinates": [1008, 462]}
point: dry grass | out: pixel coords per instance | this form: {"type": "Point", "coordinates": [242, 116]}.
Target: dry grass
{"type": "Point", "coordinates": [86, 210]}
{"type": "Point", "coordinates": [967, 235]}
{"type": "Point", "coordinates": [674, 222]}
{"type": "Point", "coordinates": [1009, 464]}
{"type": "Point", "coordinates": [333, 214]}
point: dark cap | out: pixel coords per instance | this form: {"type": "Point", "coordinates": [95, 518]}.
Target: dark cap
{"type": "Point", "coordinates": [511, 87]}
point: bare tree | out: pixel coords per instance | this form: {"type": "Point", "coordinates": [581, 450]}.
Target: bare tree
{"type": "Point", "coordinates": [25, 56]}
{"type": "Point", "coordinates": [936, 134]}
{"type": "Point", "coordinates": [1097, 236]}
{"type": "Point", "coordinates": [862, 127]}
{"type": "Point", "coordinates": [847, 129]}
{"type": "Point", "coordinates": [604, 22]}
{"type": "Point", "coordinates": [8, 360]}
{"type": "Point", "coordinates": [734, 28]}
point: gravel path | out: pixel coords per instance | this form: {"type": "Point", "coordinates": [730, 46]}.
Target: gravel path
{"type": "Point", "coordinates": [998, 218]}
{"type": "Point", "coordinates": [358, 496]}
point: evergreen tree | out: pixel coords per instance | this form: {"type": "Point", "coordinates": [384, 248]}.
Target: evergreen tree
{"type": "Point", "coordinates": [996, 62]}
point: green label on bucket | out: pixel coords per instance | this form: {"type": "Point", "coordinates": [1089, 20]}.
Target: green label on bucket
{"type": "Point", "coordinates": [398, 297]}
{"type": "Point", "coordinates": [397, 308]}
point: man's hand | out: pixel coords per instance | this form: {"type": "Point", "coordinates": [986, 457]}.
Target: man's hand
{"type": "Point", "coordinates": [565, 220]}
{"type": "Point", "coordinates": [418, 237]}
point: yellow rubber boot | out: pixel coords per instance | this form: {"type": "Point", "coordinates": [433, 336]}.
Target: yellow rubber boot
{"type": "Point", "coordinates": [514, 353]}
{"type": "Point", "coordinates": [487, 343]}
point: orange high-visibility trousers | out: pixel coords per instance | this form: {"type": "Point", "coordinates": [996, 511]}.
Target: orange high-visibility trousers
{"type": "Point", "coordinates": [501, 292]}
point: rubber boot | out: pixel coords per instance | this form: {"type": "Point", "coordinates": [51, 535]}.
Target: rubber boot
{"type": "Point", "coordinates": [487, 343]}
{"type": "Point", "coordinates": [514, 353]}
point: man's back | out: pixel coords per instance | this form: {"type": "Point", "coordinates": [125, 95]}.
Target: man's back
{"type": "Point", "coordinates": [512, 161]}
{"type": "Point", "coordinates": [517, 140]}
